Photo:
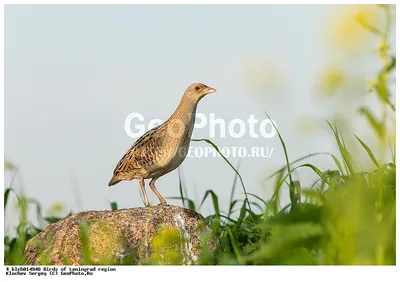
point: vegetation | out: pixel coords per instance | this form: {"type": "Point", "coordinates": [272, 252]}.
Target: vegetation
{"type": "Point", "coordinates": [347, 217]}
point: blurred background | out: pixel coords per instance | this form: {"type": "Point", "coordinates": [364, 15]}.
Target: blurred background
{"type": "Point", "coordinates": [74, 72]}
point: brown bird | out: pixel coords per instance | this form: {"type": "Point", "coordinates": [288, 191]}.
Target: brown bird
{"type": "Point", "coordinates": [163, 148]}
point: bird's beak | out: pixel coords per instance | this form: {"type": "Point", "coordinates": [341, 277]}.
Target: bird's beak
{"type": "Point", "coordinates": [210, 90]}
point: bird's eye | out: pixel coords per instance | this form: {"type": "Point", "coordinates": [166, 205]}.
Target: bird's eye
{"type": "Point", "coordinates": [197, 88]}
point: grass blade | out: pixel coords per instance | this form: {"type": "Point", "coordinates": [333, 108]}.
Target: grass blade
{"type": "Point", "coordinates": [235, 247]}
{"type": "Point", "coordinates": [368, 150]}
{"type": "Point", "coordinates": [343, 151]}
{"type": "Point", "coordinates": [180, 188]}
{"type": "Point", "coordinates": [291, 187]}
{"type": "Point", "coordinates": [259, 198]}
{"type": "Point", "coordinates": [219, 152]}
{"type": "Point", "coordinates": [335, 159]}
{"type": "Point", "coordinates": [284, 148]}
{"type": "Point", "coordinates": [84, 238]}
{"type": "Point", "coordinates": [7, 195]}
{"type": "Point", "coordinates": [373, 121]}
{"type": "Point", "coordinates": [241, 215]}
{"type": "Point", "coordinates": [392, 151]}
{"type": "Point", "coordinates": [233, 189]}
{"type": "Point", "coordinates": [214, 198]}
{"type": "Point", "coordinates": [114, 206]}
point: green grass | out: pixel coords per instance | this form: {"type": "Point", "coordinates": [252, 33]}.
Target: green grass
{"type": "Point", "coordinates": [347, 217]}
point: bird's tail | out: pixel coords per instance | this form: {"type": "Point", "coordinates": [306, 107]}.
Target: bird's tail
{"type": "Point", "coordinates": [114, 180]}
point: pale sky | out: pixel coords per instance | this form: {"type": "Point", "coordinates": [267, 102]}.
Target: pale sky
{"type": "Point", "coordinates": [73, 74]}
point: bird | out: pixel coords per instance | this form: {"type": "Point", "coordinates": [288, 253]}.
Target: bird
{"type": "Point", "coordinates": [163, 148]}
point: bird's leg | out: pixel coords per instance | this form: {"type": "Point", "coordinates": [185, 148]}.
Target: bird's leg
{"type": "Point", "coordinates": [146, 201]}
{"type": "Point", "coordinates": [162, 201]}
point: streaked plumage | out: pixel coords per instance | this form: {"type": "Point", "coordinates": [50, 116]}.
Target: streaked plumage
{"type": "Point", "coordinates": [163, 148]}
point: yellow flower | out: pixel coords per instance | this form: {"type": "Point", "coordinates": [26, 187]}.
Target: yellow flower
{"type": "Point", "coordinates": [371, 85]}
{"type": "Point", "coordinates": [383, 49]}
{"type": "Point", "coordinates": [332, 80]}
{"type": "Point", "coordinates": [348, 28]}
{"type": "Point", "coordinates": [56, 209]}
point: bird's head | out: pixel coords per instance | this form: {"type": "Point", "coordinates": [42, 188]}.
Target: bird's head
{"type": "Point", "coordinates": [197, 91]}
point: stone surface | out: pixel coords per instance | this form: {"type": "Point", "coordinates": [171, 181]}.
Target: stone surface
{"type": "Point", "coordinates": [156, 235]}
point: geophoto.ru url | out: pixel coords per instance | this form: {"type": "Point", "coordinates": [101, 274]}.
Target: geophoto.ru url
{"type": "Point", "coordinates": [241, 152]}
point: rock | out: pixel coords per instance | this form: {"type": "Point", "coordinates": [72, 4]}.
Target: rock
{"type": "Point", "coordinates": [151, 235]}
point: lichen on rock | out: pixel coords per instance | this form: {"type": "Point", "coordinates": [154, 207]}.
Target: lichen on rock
{"type": "Point", "coordinates": [151, 235]}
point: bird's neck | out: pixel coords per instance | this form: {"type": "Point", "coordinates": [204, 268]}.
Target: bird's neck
{"type": "Point", "coordinates": [186, 111]}
{"type": "Point", "coordinates": [180, 124]}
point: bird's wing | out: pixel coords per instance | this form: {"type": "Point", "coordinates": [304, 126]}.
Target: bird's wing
{"type": "Point", "coordinates": [142, 152]}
